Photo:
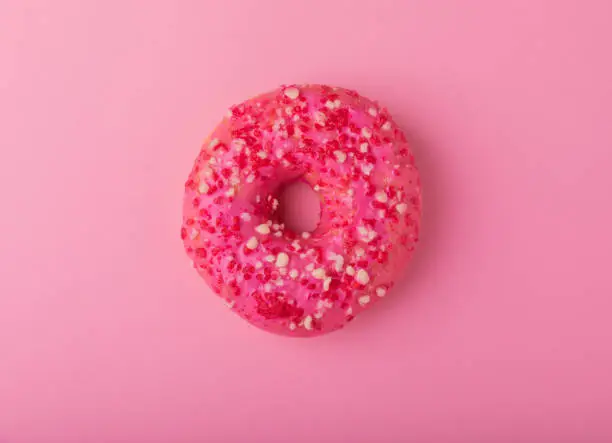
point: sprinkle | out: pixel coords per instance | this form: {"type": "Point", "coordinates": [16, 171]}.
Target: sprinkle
{"type": "Point", "coordinates": [319, 117]}
{"type": "Point", "coordinates": [293, 273]}
{"type": "Point", "coordinates": [316, 188]}
{"type": "Point", "coordinates": [214, 142]}
{"type": "Point", "coordinates": [262, 154]}
{"type": "Point", "coordinates": [245, 216]}
{"type": "Point", "coordinates": [386, 126]}
{"type": "Point", "coordinates": [292, 93]}
{"type": "Point", "coordinates": [402, 208]}
{"type": "Point", "coordinates": [305, 235]}
{"type": "Point", "coordinates": [296, 245]}
{"type": "Point", "coordinates": [359, 252]}
{"type": "Point", "coordinates": [258, 265]}
{"type": "Point", "coordinates": [275, 204]}
{"type": "Point", "coordinates": [326, 283]}
{"type": "Point", "coordinates": [367, 169]}
{"type": "Point", "coordinates": [252, 243]}
{"type": "Point", "coordinates": [349, 311]}
{"type": "Point", "coordinates": [270, 258]}
{"type": "Point", "coordinates": [250, 178]}
{"type": "Point", "coordinates": [340, 156]}
{"type": "Point", "coordinates": [279, 283]}
{"type": "Point", "coordinates": [339, 263]}
{"type": "Point", "coordinates": [282, 260]}
{"type": "Point", "coordinates": [318, 315]}
{"type": "Point", "coordinates": [230, 303]}
{"type": "Point", "coordinates": [203, 188]}
{"type": "Point", "coordinates": [292, 326]}
{"type": "Point", "coordinates": [366, 132]}
{"type": "Point", "coordinates": [380, 291]}
{"type": "Point", "coordinates": [363, 147]}
{"type": "Point", "coordinates": [373, 112]}
{"type": "Point", "coordinates": [263, 229]}
{"type": "Point", "coordinates": [319, 273]}
{"type": "Point", "coordinates": [194, 234]}
{"type": "Point", "coordinates": [350, 270]}
{"type": "Point", "coordinates": [268, 287]}
{"type": "Point", "coordinates": [351, 192]}
{"type": "Point", "coordinates": [230, 192]}
{"type": "Point", "coordinates": [362, 277]}
{"type": "Point", "coordinates": [309, 267]}
{"type": "Point", "coordinates": [364, 300]}
{"type": "Point", "coordinates": [308, 323]}
{"type": "Point", "coordinates": [381, 196]}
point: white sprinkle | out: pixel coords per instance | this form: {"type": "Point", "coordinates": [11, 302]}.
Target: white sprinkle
{"type": "Point", "coordinates": [319, 273]}
{"type": "Point", "coordinates": [252, 243]}
{"type": "Point", "coordinates": [309, 267]}
{"type": "Point", "coordinates": [359, 252]}
{"type": "Point", "coordinates": [258, 198]}
{"type": "Point", "coordinates": [339, 263]}
{"type": "Point", "coordinates": [279, 283]}
{"type": "Point", "coordinates": [296, 245]}
{"type": "Point", "coordinates": [363, 147]}
{"type": "Point", "coordinates": [382, 213]}
{"type": "Point", "coordinates": [230, 192]}
{"type": "Point", "coordinates": [305, 235]}
{"type": "Point", "coordinates": [245, 216]}
{"type": "Point", "coordinates": [386, 126]}
{"type": "Point", "coordinates": [402, 208]}
{"type": "Point", "coordinates": [270, 258]}
{"type": "Point", "coordinates": [332, 105]}
{"type": "Point", "coordinates": [350, 270]}
{"type": "Point", "coordinates": [318, 315]}
{"type": "Point", "coordinates": [367, 169]}
{"type": "Point", "coordinates": [234, 180]}
{"type": "Point", "coordinates": [258, 265]}
{"type": "Point", "coordinates": [288, 110]}
{"type": "Point", "coordinates": [381, 196]}
{"type": "Point", "coordinates": [206, 172]}
{"type": "Point", "coordinates": [230, 303]}
{"type": "Point", "coordinates": [214, 142]}
{"type": "Point", "coordinates": [262, 154]}
{"type": "Point", "coordinates": [349, 311]}
{"type": "Point", "coordinates": [308, 323]}
{"type": "Point", "coordinates": [268, 287]}
{"type": "Point", "coordinates": [316, 188]}
{"type": "Point", "coordinates": [351, 192]}
{"type": "Point", "coordinates": [380, 291]}
{"type": "Point", "coordinates": [364, 300]}
{"type": "Point", "coordinates": [362, 277]}
{"type": "Point", "coordinates": [203, 188]}
{"type": "Point", "coordinates": [366, 132]}
{"type": "Point", "coordinates": [250, 178]}
{"type": "Point", "coordinates": [212, 160]}
{"type": "Point", "coordinates": [194, 234]}
{"type": "Point", "coordinates": [373, 112]}
{"type": "Point", "coordinates": [340, 156]}
{"type": "Point", "coordinates": [319, 117]}
{"type": "Point", "coordinates": [263, 229]}
{"type": "Point", "coordinates": [292, 326]}
{"type": "Point", "coordinates": [281, 260]}
{"type": "Point", "coordinates": [326, 283]}
{"type": "Point", "coordinates": [275, 204]}
{"type": "Point", "coordinates": [292, 93]}
{"type": "Point", "coordinates": [293, 273]}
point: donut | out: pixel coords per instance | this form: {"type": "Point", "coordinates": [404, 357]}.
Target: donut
{"type": "Point", "coordinates": [357, 160]}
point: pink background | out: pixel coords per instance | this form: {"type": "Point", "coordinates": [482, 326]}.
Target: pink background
{"type": "Point", "coordinates": [501, 330]}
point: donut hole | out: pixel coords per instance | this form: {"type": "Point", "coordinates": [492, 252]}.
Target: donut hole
{"type": "Point", "coordinates": [299, 207]}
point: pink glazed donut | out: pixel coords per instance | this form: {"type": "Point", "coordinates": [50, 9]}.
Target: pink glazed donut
{"type": "Point", "coordinates": [349, 149]}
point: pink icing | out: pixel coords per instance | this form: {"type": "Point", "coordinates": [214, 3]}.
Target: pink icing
{"type": "Point", "coordinates": [351, 152]}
